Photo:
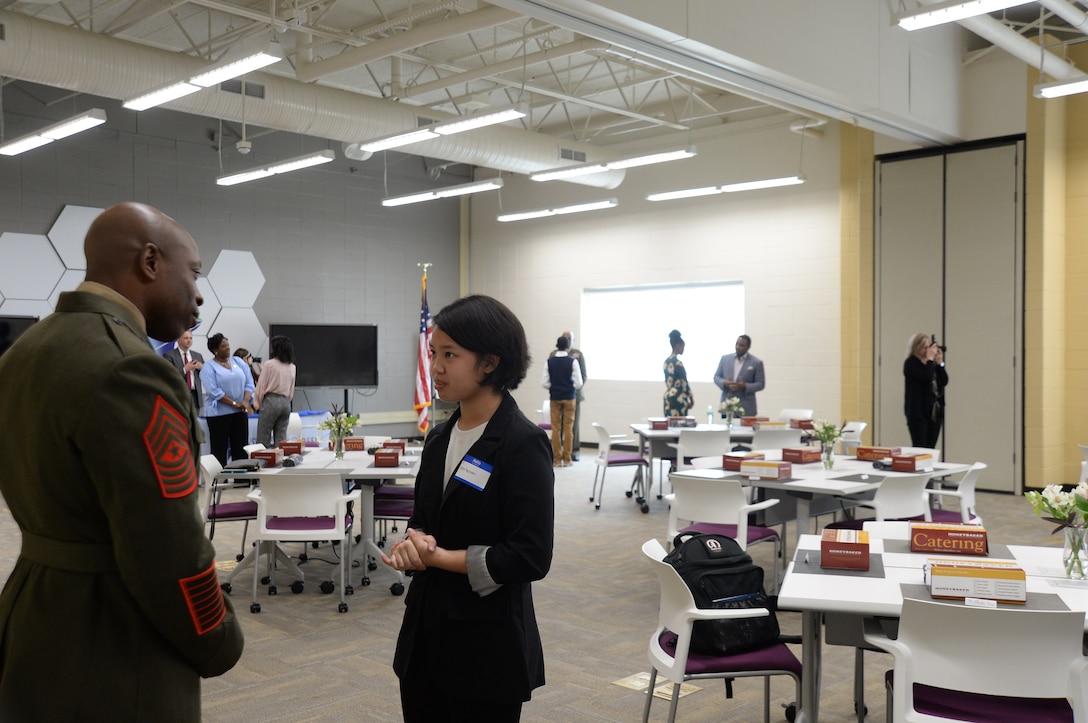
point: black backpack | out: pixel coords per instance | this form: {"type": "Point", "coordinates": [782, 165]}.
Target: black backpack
{"type": "Point", "coordinates": [721, 575]}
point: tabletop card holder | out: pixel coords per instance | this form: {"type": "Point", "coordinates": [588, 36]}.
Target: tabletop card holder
{"type": "Point", "coordinates": [272, 457]}
{"type": "Point", "coordinates": [386, 457]}
{"type": "Point", "coordinates": [844, 549]}
{"type": "Point", "coordinates": [292, 447]}
{"type": "Point", "coordinates": [732, 461]}
{"type": "Point", "coordinates": [948, 538]}
{"type": "Point", "coordinates": [986, 579]}
{"type": "Point", "coordinates": [801, 455]}
{"type": "Point", "coordinates": [875, 454]}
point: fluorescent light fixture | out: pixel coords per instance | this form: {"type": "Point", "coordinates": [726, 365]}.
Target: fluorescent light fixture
{"type": "Point", "coordinates": [766, 183]}
{"type": "Point", "coordinates": [481, 119]}
{"type": "Point", "coordinates": [447, 192]}
{"type": "Point", "coordinates": [161, 95]}
{"type": "Point", "coordinates": [1059, 88]}
{"type": "Point", "coordinates": [684, 193]}
{"type": "Point", "coordinates": [650, 158]}
{"type": "Point", "coordinates": [582, 169]}
{"type": "Point", "coordinates": [728, 188]}
{"type": "Point", "coordinates": [949, 12]}
{"type": "Point", "coordinates": [271, 53]}
{"type": "Point", "coordinates": [559, 211]}
{"type": "Point", "coordinates": [397, 140]}
{"type": "Point", "coordinates": [586, 169]}
{"type": "Point", "coordinates": [446, 128]}
{"type": "Point", "coordinates": [63, 129]}
{"type": "Point", "coordinates": [291, 164]}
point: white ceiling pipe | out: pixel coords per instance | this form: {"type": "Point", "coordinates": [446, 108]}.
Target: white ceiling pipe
{"type": "Point", "coordinates": [432, 32]}
{"type": "Point", "coordinates": [1071, 14]}
{"type": "Point", "coordinates": [42, 52]}
{"type": "Point", "coordinates": [1020, 47]}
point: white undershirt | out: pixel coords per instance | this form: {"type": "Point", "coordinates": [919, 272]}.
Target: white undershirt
{"type": "Point", "coordinates": [461, 441]}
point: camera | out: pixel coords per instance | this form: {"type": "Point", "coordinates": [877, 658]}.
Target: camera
{"type": "Point", "coordinates": [942, 347]}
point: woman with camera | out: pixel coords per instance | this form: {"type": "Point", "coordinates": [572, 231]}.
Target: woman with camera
{"type": "Point", "coordinates": [924, 381]}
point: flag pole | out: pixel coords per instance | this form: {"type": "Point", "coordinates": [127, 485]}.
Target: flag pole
{"type": "Point", "coordinates": [424, 394]}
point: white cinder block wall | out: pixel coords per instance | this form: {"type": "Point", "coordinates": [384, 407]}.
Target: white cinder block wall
{"type": "Point", "coordinates": [783, 243]}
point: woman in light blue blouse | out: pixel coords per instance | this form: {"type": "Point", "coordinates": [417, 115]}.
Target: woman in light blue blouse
{"type": "Point", "coordinates": [228, 391]}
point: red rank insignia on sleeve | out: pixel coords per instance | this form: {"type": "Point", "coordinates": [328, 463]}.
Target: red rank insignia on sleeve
{"type": "Point", "coordinates": [204, 600]}
{"type": "Point", "coordinates": [167, 442]}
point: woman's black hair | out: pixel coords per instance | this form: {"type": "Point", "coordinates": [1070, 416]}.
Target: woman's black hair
{"type": "Point", "coordinates": [484, 325]}
{"type": "Point", "coordinates": [675, 338]}
{"type": "Point", "coordinates": [214, 341]}
{"type": "Point", "coordinates": [562, 343]}
{"type": "Point", "coordinates": [281, 349]}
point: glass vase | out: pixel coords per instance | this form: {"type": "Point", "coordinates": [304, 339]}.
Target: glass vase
{"type": "Point", "coordinates": [729, 419]}
{"type": "Point", "coordinates": [827, 452]}
{"type": "Point", "coordinates": [338, 446]}
{"type": "Point", "coordinates": [1074, 555]}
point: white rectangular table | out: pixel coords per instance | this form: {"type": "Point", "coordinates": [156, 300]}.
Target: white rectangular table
{"type": "Point", "coordinates": [880, 594]}
{"type": "Point", "coordinates": [357, 467]}
{"type": "Point", "coordinates": [654, 443]}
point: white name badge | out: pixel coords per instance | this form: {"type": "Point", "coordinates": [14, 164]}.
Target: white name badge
{"type": "Point", "coordinates": [473, 472]}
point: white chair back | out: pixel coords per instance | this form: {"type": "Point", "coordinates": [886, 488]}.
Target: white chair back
{"type": "Point", "coordinates": [888, 529]}
{"type": "Point", "coordinates": [965, 490]}
{"type": "Point", "coordinates": [298, 494]}
{"type": "Point", "coordinates": [294, 426]}
{"type": "Point", "coordinates": [251, 448]}
{"type": "Point", "coordinates": [851, 431]}
{"type": "Point", "coordinates": [791, 413]}
{"type": "Point", "coordinates": [701, 443]}
{"type": "Point", "coordinates": [712, 501]}
{"type": "Point", "coordinates": [776, 438]}
{"type": "Point", "coordinates": [209, 470]}
{"type": "Point", "coordinates": [902, 496]}
{"type": "Point", "coordinates": [711, 462]}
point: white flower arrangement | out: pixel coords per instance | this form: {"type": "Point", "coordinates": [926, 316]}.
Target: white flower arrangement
{"type": "Point", "coordinates": [732, 406]}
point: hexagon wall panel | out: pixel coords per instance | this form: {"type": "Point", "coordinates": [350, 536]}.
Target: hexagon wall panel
{"type": "Point", "coordinates": [68, 282]}
{"type": "Point", "coordinates": [26, 307]}
{"type": "Point", "coordinates": [31, 268]}
{"type": "Point", "coordinates": [69, 231]}
{"type": "Point", "coordinates": [236, 278]}
{"type": "Point", "coordinates": [241, 327]}
{"type": "Point", "coordinates": [209, 309]}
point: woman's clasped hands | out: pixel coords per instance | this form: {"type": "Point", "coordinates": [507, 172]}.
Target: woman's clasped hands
{"type": "Point", "coordinates": [415, 552]}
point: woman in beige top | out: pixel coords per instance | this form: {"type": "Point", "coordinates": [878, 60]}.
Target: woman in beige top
{"type": "Point", "coordinates": [274, 391]}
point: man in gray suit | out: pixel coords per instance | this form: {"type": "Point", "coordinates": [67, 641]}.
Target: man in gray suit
{"type": "Point", "coordinates": [189, 363]}
{"type": "Point", "coordinates": [741, 375]}
{"type": "Point", "coordinates": [576, 355]}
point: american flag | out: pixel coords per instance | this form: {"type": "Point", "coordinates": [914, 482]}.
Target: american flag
{"type": "Point", "coordinates": [423, 363]}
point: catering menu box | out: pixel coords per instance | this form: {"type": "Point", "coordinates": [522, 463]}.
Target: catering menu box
{"type": "Point", "coordinates": [801, 455]}
{"type": "Point", "coordinates": [682, 422]}
{"type": "Point", "coordinates": [948, 538]}
{"type": "Point", "coordinates": [801, 424]}
{"type": "Point", "coordinates": [295, 447]}
{"type": "Point", "coordinates": [920, 462]}
{"type": "Point", "coordinates": [844, 549]}
{"type": "Point", "coordinates": [766, 469]}
{"type": "Point", "coordinates": [397, 444]}
{"type": "Point", "coordinates": [986, 579]}
{"type": "Point", "coordinates": [874, 454]}
{"type": "Point", "coordinates": [354, 444]}
{"type": "Point", "coordinates": [386, 458]}
{"type": "Point", "coordinates": [659, 423]}
{"type": "Point", "coordinates": [271, 457]}
{"type": "Point", "coordinates": [752, 421]}
{"type": "Point", "coordinates": [732, 461]}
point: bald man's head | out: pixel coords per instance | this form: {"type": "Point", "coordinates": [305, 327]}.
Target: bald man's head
{"type": "Point", "coordinates": [148, 258]}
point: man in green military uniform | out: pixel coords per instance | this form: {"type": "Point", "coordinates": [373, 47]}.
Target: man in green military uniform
{"type": "Point", "coordinates": [113, 611]}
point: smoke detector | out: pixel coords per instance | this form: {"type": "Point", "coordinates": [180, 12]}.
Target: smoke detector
{"type": "Point", "coordinates": [243, 147]}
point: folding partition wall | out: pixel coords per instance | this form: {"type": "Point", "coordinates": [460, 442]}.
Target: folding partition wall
{"type": "Point", "coordinates": [949, 261]}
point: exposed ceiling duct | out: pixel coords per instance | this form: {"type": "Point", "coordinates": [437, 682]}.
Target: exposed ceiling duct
{"type": "Point", "coordinates": [50, 54]}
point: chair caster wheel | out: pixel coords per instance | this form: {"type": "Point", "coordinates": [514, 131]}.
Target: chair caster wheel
{"type": "Point", "coordinates": [372, 566]}
{"type": "Point", "coordinates": [349, 589]}
{"type": "Point", "coordinates": [239, 557]}
{"type": "Point", "coordinates": [381, 543]}
{"type": "Point", "coordinates": [255, 608]}
{"type": "Point", "coordinates": [397, 588]}
{"type": "Point", "coordinates": [659, 497]}
{"type": "Point", "coordinates": [791, 712]}
{"type": "Point", "coordinates": [327, 587]}
{"type": "Point", "coordinates": [297, 586]}
{"type": "Point", "coordinates": [272, 590]}
{"type": "Point", "coordinates": [590, 499]}
{"type": "Point", "coordinates": [630, 493]}
{"type": "Point", "coordinates": [303, 557]}
{"type": "Point", "coordinates": [227, 588]}
{"type": "Point", "coordinates": [365, 581]}
{"type": "Point", "coordinates": [314, 544]}
{"type": "Point", "coordinates": [645, 508]}
{"type": "Point", "coordinates": [597, 506]}
{"type": "Point", "coordinates": [265, 580]}
{"type": "Point", "coordinates": [343, 607]}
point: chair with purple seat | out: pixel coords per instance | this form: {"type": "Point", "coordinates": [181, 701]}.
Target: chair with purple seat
{"type": "Point", "coordinates": [214, 509]}
{"type": "Point", "coordinates": [720, 506]}
{"type": "Point", "coordinates": [392, 503]}
{"type": "Point", "coordinates": [954, 662]}
{"type": "Point", "coordinates": [303, 506]}
{"type": "Point", "coordinates": [607, 459]}
{"type": "Point", "coordinates": [964, 490]}
{"type": "Point", "coordinates": [670, 644]}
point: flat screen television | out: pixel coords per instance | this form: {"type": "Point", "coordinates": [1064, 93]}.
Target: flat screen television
{"type": "Point", "coordinates": [12, 327]}
{"type": "Point", "coordinates": [332, 355]}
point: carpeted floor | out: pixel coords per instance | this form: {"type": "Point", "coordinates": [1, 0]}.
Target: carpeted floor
{"type": "Point", "coordinates": [304, 661]}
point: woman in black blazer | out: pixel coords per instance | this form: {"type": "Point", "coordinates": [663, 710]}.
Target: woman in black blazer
{"type": "Point", "coordinates": [469, 648]}
{"type": "Point", "coordinates": [923, 390]}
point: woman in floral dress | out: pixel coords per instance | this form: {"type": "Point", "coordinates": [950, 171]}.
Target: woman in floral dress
{"type": "Point", "coordinates": [678, 397]}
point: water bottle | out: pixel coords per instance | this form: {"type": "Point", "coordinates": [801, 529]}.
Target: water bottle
{"type": "Point", "coordinates": [710, 414]}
